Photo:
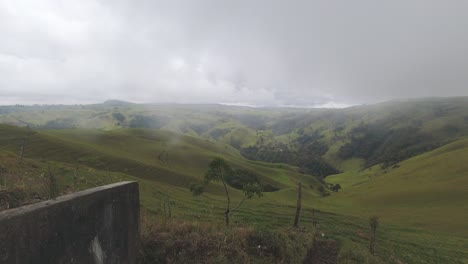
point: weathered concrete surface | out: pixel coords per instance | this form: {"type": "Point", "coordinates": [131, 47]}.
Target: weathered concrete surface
{"type": "Point", "coordinates": [98, 225]}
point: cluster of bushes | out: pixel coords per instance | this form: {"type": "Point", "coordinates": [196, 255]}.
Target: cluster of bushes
{"type": "Point", "coordinates": [323, 191]}
{"type": "Point", "coordinates": [312, 143]}
{"type": "Point", "coordinates": [279, 153]}
{"type": "Point", "coordinates": [23, 183]}
{"type": "Point", "coordinates": [305, 158]}
{"type": "Point", "coordinates": [60, 123]}
{"type": "Point", "coordinates": [379, 145]}
{"type": "Point", "coordinates": [12, 197]}
{"type": "Point", "coordinates": [153, 121]}
{"type": "Point", "coordinates": [335, 187]}
{"type": "Point", "coordinates": [240, 177]}
{"type": "Point", "coordinates": [120, 118]}
{"type": "Point", "coordinates": [316, 166]}
{"type": "Point", "coordinates": [353, 253]}
{"type": "Point", "coordinates": [305, 152]}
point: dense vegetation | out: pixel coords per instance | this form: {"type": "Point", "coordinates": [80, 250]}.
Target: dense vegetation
{"type": "Point", "coordinates": [380, 145]}
{"type": "Point", "coordinates": [308, 163]}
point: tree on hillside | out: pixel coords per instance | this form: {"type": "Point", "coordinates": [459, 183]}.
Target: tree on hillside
{"type": "Point", "coordinates": [219, 171]}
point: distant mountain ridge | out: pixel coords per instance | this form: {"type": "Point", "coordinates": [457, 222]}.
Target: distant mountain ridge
{"type": "Point", "coordinates": [113, 102]}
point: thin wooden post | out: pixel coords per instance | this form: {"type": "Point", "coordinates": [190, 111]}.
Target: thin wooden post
{"type": "Point", "coordinates": [314, 225]}
{"type": "Point", "coordinates": [373, 222]}
{"type": "Point", "coordinates": [299, 204]}
{"type": "Point", "coordinates": [21, 153]}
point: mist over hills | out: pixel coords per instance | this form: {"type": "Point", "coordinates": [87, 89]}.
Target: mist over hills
{"type": "Point", "coordinates": [316, 140]}
{"type": "Point", "coordinates": [355, 110]}
{"type": "Point", "coordinates": [404, 161]}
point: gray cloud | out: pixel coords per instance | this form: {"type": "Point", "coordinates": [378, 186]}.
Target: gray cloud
{"type": "Point", "coordinates": [239, 52]}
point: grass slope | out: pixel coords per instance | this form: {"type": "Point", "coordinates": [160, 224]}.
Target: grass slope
{"type": "Point", "coordinates": [136, 154]}
{"type": "Point", "coordinates": [428, 190]}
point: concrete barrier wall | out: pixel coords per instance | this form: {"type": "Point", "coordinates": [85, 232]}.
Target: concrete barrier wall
{"type": "Point", "coordinates": [98, 225]}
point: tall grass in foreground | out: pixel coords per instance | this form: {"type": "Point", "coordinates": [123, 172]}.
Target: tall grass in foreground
{"type": "Point", "coordinates": [177, 241]}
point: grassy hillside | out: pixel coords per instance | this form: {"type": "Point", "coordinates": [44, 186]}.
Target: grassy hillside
{"type": "Point", "coordinates": [319, 141]}
{"type": "Point", "coordinates": [151, 154]}
{"type": "Point", "coordinates": [165, 164]}
{"type": "Point", "coordinates": [426, 191]}
{"type": "Point", "coordinates": [402, 161]}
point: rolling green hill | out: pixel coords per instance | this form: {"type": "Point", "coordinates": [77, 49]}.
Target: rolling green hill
{"type": "Point", "coordinates": [402, 161]}
{"type": "Point", "coordinates": [316, 140]}
{"type": "Point", "coordinates": [429, 190]}
{"type": "Point", "coordinates": [135, 154]}
{"type": "Point", "coordinates": [151, 154]}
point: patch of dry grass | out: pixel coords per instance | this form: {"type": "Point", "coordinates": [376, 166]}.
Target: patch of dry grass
{"type": "Point", "coordinates": [175, 241]}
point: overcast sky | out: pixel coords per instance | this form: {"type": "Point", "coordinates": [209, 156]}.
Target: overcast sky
{"type": "Point", "coordinates": [252, 52]}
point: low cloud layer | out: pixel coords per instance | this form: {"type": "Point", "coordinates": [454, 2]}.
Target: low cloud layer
{"type": "Point", "coordinates": [266, 52]}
